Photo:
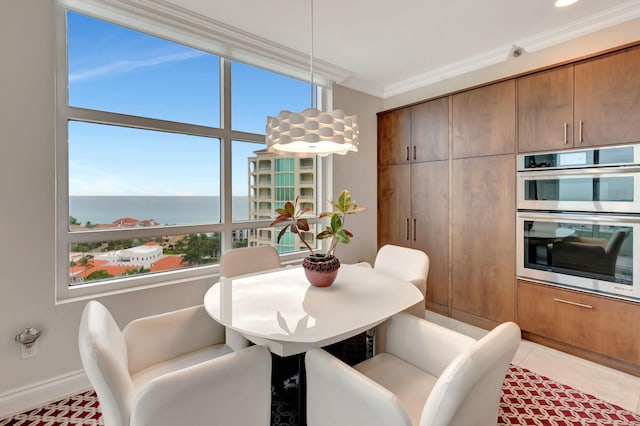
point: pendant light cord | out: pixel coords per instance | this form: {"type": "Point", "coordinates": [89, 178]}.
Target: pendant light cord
{"type": "Point", "coordinates": [311, 57]}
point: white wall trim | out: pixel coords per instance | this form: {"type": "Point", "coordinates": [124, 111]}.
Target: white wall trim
{"type": "Point", "coordinates": [37, 394]}
{"type": "Point", "coordinates": [607, 18]}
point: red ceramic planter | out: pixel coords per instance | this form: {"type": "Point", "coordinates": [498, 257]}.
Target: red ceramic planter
{"type": "Point", "coordinates": [321, 272]}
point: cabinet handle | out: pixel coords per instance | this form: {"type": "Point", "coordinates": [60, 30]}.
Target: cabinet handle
{"type": "Point", "coordinates": [566, 133]}
{"type": "Point", "coordinates": [406, 229]}
{"type": "Point", "coordinates": [580, 139]}
{"type": "Point", "coordinates": [414, 152]}
{"type": "Point", "coordinates": [414, 229]}
{"type": "Point", "coordinates": [407, 152]}
{"type": "Point", "coordinates": [568, 302]}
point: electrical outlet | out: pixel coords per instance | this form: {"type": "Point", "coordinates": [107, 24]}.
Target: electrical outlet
{"type": "Point", "coordinates": [29, 351]}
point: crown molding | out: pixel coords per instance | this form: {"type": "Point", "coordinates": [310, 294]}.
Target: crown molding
{"type": "Point", "coordinates": [165, 19]}
{"type": "Point", "coordinates": [607, 18]}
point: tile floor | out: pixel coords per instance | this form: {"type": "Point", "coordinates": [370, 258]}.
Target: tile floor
{"type": "Point", "coordinates": [602, 382]}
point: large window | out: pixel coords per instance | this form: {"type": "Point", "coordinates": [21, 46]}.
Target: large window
{"type": "Point", "coordinates": [155, 180]}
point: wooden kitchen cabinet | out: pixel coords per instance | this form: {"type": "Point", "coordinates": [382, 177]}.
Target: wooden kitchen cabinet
{"type": "Point", "coordinates": [545, 110]}
{"type": "Point", "coordinates": [483, 240]}
{"type": "Point", "coordinates": [591, 322]}
{"type": "Point", "coordinates": [413, 203]}
{"type": "Point", "coordinates": [607, 99]}
{"type": "Point", "coordinates": [394, 204]}
{"type": "Point", "coordinates": [414, 134]}
{"type": "Point", "coordinates": [394, 136]}
{"type": "Point", "coordinates": [430, 227]}
{"type": "Point", "coordinates": [430, 130]}
{"type": "Point", "coordinates": [484, 121]}
{"type": "Point", "coordinates": [591, 103]}
{"type": "Point", "coordinates": [413, 211]}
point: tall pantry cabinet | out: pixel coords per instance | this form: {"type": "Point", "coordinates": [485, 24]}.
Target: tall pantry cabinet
{"type": "Point", "coordinates": [446, 186]}
{"type": "Point", "coordinates": [413, 188]}
{"type": "Point", "coordinates": [483, 204]}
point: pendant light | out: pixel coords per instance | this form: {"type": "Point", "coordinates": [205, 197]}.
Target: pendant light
{"type": "Point", "coordinates": [312, 131]}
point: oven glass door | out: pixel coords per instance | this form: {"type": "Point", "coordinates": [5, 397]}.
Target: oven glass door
{"type": "Point", "coordinates": [592, 252]}
{"type": "Point", "coordinates": [596, 190]}
{"type": "Point", "coordinates": [598, 157]}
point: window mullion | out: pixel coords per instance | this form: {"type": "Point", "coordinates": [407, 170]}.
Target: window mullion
{"type": "Point", "coordinates": [227, 172]}
{"type": "Point", "coordinates": [117, 119]}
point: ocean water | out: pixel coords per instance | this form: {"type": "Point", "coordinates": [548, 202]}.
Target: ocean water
{"type": "Point", "coordinates": [166, 210]}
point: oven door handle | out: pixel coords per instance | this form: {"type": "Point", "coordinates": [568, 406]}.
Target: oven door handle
{"type": "Point", "coordinates": [564, 217]}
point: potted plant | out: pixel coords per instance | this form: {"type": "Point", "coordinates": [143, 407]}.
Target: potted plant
{"type": "Point", "coordinates": [321, 269]}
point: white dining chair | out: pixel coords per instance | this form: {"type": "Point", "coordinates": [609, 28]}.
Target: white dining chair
{"type": "Point", "coordinates": [242, 261]}
{"type": "Point", "coordinates": [408, 264]}
{"type": "Point", "coordinates": [247, 260]}
{"type": "Point", "coordinates": [427, 375]}
{"type": "Point", "coordinates": [173, 368]}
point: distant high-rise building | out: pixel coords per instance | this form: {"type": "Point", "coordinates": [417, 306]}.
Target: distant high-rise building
{"type": "Point", "coordinates": [273, 180]}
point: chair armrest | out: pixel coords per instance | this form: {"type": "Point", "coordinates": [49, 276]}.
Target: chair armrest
{"type": "Point", "coordinates": [424, 344]}
{"type": "Point", "coordinates": [232, 389]}
{"type": "Point", "coordinates": [338, 395]}
{"type": "Point", "coordinates": [158, 338]}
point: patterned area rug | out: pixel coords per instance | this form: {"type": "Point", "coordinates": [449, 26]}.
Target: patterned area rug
{"type": "Point", "coordinates": [530, 399]}
{"type": "Point", "coordinates": [527, 399]}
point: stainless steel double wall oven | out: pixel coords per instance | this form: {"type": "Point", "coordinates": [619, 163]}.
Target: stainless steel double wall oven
{"type": "Point", "coordinates": [578, 220]}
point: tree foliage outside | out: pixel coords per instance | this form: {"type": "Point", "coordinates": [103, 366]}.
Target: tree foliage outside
{"type": "Point", "coordinates": [99, 274]}
{"type": "Point", "coordinates": [84, 247]}
{"type": "Point", "coordinates": [200, 249]}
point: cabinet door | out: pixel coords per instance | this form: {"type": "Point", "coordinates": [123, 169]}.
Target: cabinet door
{"type": "Point", "coordinates": [394, 136]}
{"type": "Point", "coordinates": [394, 205]}
{"type": "Point", "coordinates": [586, 321]}
{"type": "Point", "coordinates": [545, 110]}
{"type": "Point", "coordinates": [430, 130]}
{"type": "Point", "coordinates": [484, 120]}
{"type": "Point", "coordinates": [430, 227]}
{"type": "Point", "coordinates": [607, 99]}
{"type": "Point", "coordinates": [483, 237]}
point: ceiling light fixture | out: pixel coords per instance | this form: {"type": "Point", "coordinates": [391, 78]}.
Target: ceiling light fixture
{"type": "Point", "coordinates": [563, 3]}
{"type": "Point", "coordinates": [312, 131]}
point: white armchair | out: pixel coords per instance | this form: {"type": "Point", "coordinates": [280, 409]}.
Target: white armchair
{"type": "Point", "coordinates": [427, 376]}
{"type": "Point", "coordinates": [173, 368]}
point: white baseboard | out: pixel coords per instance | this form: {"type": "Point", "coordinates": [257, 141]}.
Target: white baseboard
{"type": "Point", "coordinates": [37, 394]}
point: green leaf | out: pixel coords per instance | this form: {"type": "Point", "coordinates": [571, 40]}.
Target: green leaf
{"type": "Point", "coordinates": [342, 237]}
{"type": "Point", "coordinates": [336, 223]}
{"type": "Point", "coordinates": [344, 201]}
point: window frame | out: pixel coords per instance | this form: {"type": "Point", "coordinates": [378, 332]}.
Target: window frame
{"type": "Point", "coordinates": [225, 134]}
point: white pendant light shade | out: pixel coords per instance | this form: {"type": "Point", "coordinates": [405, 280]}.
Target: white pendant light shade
{"type": "Point", "coordinates": [312, 132]}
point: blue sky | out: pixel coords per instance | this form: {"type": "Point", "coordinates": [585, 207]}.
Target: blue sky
{"type": "Point", "coordinates": [115, 69]}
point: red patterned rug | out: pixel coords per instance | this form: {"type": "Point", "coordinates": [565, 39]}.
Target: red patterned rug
{"type": "Point", "coordinates": [531, 399]}
{"type": "Point", "coordinates": [527, 399]}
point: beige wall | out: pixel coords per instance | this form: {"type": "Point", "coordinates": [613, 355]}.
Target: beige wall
{"type": "Point", "coordinates": [596, 42]}
{"type": "Point", "coordinates": [357, 172]}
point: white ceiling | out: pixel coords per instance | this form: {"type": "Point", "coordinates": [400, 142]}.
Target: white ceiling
{"type": "Point", "coordinates": [387, 47]}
